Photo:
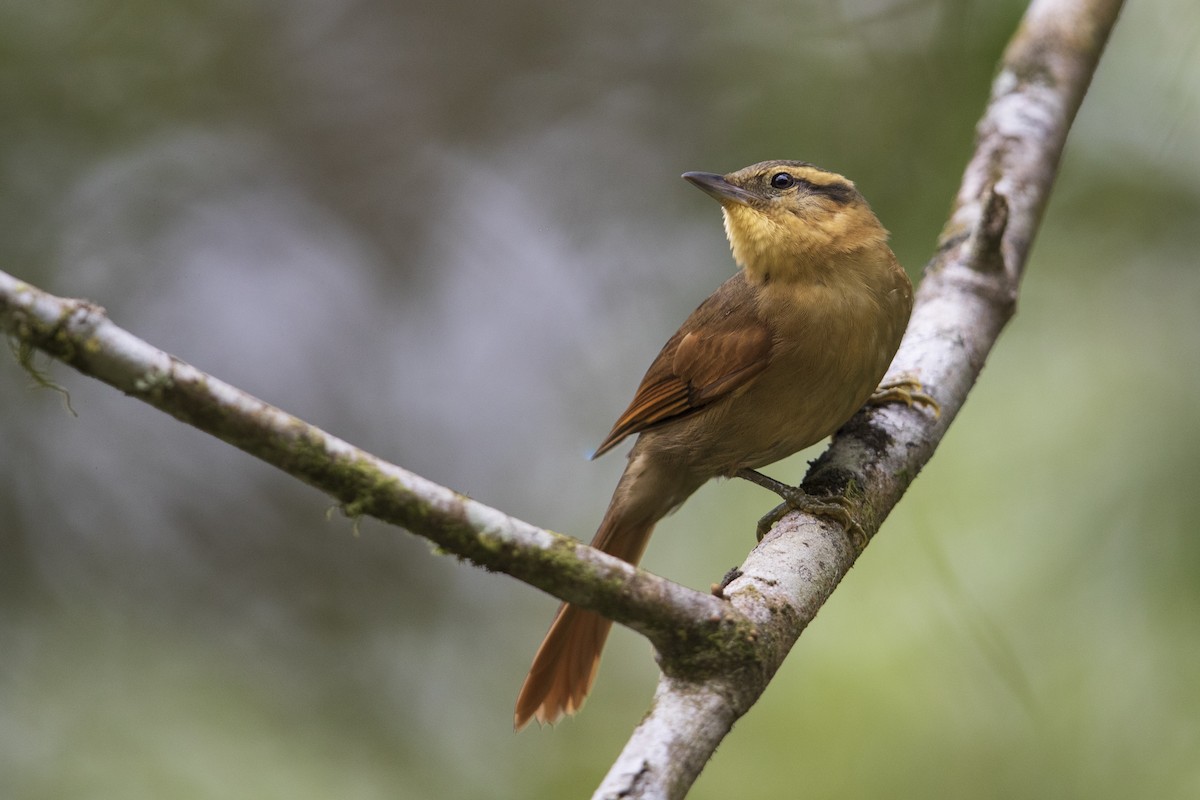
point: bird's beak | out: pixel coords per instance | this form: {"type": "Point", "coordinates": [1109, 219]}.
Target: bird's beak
{"type": "Point", "coordinates": [721, 190]}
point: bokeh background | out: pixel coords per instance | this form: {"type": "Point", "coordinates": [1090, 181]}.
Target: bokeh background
{"type": "Point", "coordinates": [453, 233]}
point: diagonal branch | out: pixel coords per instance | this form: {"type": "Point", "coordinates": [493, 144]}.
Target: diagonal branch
{"type": "Point", "coordinates": [80, 334]}
{"type": "Point", "coordinates": [967, 296]}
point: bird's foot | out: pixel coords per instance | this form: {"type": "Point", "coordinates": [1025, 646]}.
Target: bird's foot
{"type": "Point", "coordinates": [907, 390]}
{"type": "Point", "coordinates": [832, 507]}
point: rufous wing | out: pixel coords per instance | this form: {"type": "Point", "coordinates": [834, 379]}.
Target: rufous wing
{"type": "Point", "coordinates": [722, 346]}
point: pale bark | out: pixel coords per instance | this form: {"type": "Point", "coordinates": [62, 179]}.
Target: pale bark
{"type": "Point", "coordinates": [967, 295]}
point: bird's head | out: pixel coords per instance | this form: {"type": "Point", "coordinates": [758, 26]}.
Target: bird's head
{"type": "Point", "coordinates": [791, 220]}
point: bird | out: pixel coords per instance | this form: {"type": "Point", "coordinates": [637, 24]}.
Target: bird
{"type": "Point", "coordinates": [779, 357]}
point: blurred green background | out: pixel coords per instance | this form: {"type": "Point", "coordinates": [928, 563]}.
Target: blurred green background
{"type": "Point", "coordinates": [454, 233]}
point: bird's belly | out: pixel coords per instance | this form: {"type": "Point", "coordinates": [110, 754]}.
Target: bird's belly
{"type": "Point", "coordinates": [793, 405]}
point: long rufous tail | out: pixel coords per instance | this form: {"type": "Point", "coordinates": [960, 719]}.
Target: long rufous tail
{"type": "Point", "coordinates": [565, 665]}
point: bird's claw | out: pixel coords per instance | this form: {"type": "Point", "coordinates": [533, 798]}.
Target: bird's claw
{"type": "Point", "coordinates": [832, 507]}
{"type": "Point", "coordinates": [907, 390]}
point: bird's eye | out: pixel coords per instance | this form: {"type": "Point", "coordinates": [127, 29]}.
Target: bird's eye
{"type": "Point", "coordinates": [782, 180]}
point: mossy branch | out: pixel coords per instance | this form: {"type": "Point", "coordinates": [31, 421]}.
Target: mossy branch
{"type": "Point", "coordinates": [80, 334]}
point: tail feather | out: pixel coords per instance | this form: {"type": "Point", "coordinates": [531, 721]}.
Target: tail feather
{"type": "Point", "coordinates": [567, 661]}
{"type": "Point", "coordinates": [564, 668]}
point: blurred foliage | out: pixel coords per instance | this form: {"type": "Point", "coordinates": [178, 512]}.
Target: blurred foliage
{"type": "Point", "coordinates": [453, 233]}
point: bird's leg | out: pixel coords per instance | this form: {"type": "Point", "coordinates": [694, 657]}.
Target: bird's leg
{"type": "Point", "coordinates": [907, 390]}
{"type": "Point", "coordinates": [833, 507]}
